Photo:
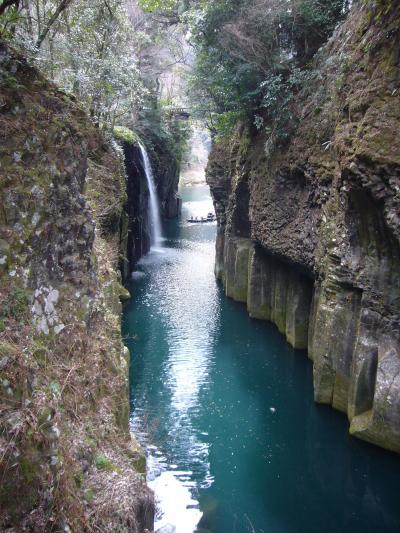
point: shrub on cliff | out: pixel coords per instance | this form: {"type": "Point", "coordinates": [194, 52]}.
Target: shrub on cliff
{"type": "Point", "coordinates": [249, 53]}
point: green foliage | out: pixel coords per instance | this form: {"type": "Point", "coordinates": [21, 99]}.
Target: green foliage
{"type": "Point", "coordinates": [87, 48]}
{"type": "Point", "coordinates": [251, 53]}
{"type": "Point", "coordinates": [79, 479]}
{"type": "Point", "coordinates": [28, 469]}
{"type": "Point", "coordinates": [157, 5]}
{"type": "Point", "coordinates": [8, 20]}
{"type": "Point", "coordinates": [17, 304]}
{"type": "Point", "coordinates": [163, 132]}
{"type": "Point", "coordinates": [125, 134]}
{"type": "Point", "coordinates": [111, 58]}
{"type": "Point", "coordinates": [277, 94]}
{"type": "Point", "coordinates": [103, 463]}
{"type": "Point", "coordinates": [226, 122]}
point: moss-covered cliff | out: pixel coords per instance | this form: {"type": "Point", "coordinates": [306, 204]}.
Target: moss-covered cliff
{"type": "Point", "coordinates": [309, 231]}
{"type": "Point", "coordinates": [68, 462]}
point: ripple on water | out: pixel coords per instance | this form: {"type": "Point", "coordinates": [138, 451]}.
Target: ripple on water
{"type": "Point", "coordinates": [228, 409]}
{"type": "Point", "coordinates": [183, 325]}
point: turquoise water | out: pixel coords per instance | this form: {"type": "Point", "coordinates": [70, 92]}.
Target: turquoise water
{"type": "Point", "coordinates": [225, 409]}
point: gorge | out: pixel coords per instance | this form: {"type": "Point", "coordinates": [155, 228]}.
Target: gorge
{"type": "Point", "coordinates": [308, 234]}
{"type": "Point", "coordinates": [224, 408]}
{"type": "Point", "coordinates": [157, 375]}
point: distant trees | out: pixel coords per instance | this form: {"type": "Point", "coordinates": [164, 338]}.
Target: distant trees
{"type": "Point", "coordinates": [62, 6]}
{"type": "Point", "coordinates": [126, 59]}
{"type": "Point", "coordinates": [85, 46]}
{"type": "Point", "coordinates": [158, 5]}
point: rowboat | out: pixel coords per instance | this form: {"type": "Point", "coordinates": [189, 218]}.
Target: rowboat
{"type": "Point", "coordinates": [196, 220]}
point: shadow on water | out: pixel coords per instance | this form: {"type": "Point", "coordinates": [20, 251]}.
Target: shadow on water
{"type": "Point", "coordinates": [225, 409]}
{"type": "Point", "coordinates": [294, 465]}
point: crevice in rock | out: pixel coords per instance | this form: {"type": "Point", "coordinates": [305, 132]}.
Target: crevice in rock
{"type": "Point", "coordinates": [240, 224]}
{"type": "Point", "coordinates": [365, 387]}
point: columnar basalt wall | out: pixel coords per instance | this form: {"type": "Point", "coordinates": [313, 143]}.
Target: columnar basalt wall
{"type": "Point", "coordinates": [166, 169]}
{"type": "Point", "coordinates": [271, 290]}
{"type": "Point", "coordinates": [309, 230]}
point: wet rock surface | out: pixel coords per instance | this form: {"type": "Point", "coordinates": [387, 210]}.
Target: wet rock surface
{"type": "Point", "coordinates": [323, 218]}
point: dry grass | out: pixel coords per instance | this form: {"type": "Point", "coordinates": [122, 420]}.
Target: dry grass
{"type": "Point", "coordinates": [63, 397]}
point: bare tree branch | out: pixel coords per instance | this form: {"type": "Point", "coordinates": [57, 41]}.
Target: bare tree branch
{"type": "Point", "coordinates": [61, 7]}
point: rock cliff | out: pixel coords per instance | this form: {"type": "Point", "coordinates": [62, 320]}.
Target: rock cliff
{"type": "Point", "coordinates": [309, 231]}
{"type": "Point", "coordinates": [166, 175]}
{"type": "Point", "coordinates": [68, 460]}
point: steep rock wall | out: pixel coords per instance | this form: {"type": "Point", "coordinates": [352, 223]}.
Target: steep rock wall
{"type": "Point", "coordinates": [166, 175]}
{"type": "Point", "coordinates": [137, 207]}
{"type": "Point", "coordinates": [321, 220]}
{"type": "Point", "coordinates": [68, 460]}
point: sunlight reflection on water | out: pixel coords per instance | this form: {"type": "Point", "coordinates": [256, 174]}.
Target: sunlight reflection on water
{"type": "Point", "coordinates": [181, 292]}
{"type": "Point", "coordinates": [224, 407]}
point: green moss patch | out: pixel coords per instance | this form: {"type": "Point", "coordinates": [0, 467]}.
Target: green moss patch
{"type": "Point", "coordinates": [125, 134]}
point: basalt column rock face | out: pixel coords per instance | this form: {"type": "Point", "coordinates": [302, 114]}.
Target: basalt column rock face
{"type": "Point", "coordinates": [219, 180]}
{"type": "Point", "coordinates": [279, 293]}
{"type": "Point", "coordinates": [272, 288]}
{"type": "Point", "coordinates": [321, 217]}
{"type": "Point", "coordinates": [166, 174]}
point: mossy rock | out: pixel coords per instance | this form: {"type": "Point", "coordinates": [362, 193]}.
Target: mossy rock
{"type": "Point", "coordinates": [89, 495]}
{"type": "Point", "coordinates": [125, 135]}
{"type": "Point", "coordinates": [79, 479]}
{"type": "Point", "coordinates": [103, 463]}
{"type": "Point", "coordinates": [137, 456]}
{"type": "Point", "coordinates": [124, 294]}
{"type": "Point", "coordinates": [25, 482]}
{"type": "Point", "coordinates": [8, 350]}
{"type": "Point", "coordinates": [17, 305]}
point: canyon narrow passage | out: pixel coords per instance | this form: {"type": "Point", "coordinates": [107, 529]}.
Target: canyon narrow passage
{"type": "Point", "coordinates": [224, 407]}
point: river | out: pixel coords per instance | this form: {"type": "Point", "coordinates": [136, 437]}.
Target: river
{"type": "Point", "coordinates": [224, 407]}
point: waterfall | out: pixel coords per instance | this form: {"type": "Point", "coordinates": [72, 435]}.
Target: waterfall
{"type": "Point", "coordinates": [154, 210]}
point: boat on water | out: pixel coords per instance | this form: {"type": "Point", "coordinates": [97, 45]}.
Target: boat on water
{"type": "Point", "coordinates": [201, 220]}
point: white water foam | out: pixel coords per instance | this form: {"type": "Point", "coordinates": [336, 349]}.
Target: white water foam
{"type": "Point", "coordinates": [138, 274]}
{"type": "Point", "coordinates": [176, 509]}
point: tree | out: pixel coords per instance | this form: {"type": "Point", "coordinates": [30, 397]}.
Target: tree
{"type": "Point", "coordinates": [62, 6]}
{"type": "Point", "coordinates": [6, 4]}
{"type": "Point", "coordinates": [249, 52]}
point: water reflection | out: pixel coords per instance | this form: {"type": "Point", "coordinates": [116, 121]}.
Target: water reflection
{"type": "Point", "coordinates": [183, 327]}
{"type": "Point", "coordinates": [226, 408]}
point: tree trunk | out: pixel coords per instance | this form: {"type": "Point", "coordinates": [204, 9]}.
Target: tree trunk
{"type": "Point", "coordinates": [62, 6]}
